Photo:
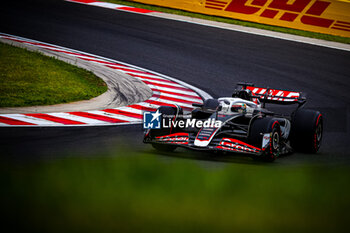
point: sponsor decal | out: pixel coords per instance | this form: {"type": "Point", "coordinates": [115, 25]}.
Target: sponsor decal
{"type": "Point", "coordinates": [274, 94]}
{"type": "Point", "coordinates": [236, 145]}
{"type": "Point", "coordinates": [177, 138]}
{"type": "Point", "coordinates": [308, 12]}
{"type": "Point", "coordinates": [323, 16]}
{"type": "Point", "coordinates": [266, 140]}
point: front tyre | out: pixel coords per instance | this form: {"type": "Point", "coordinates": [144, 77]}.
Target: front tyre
{"type": "Point", "coordinates": [258, 129]}
{"type": "Point", "coordinates": [307, 130]}
{"type": "Point", "coordinates": [166, 111]}
{"type": "Point", "coordinates": [273, 149]}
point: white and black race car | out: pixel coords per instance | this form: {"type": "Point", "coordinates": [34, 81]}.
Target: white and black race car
{"type": "Point", "coordinates": [241, 124]}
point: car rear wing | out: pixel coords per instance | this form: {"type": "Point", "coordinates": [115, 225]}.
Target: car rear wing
{"type": "Point", "coordinates": [269, 95]}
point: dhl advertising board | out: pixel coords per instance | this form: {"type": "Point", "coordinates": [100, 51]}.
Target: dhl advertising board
{"type": "Point", "coordinates": [326, 16]}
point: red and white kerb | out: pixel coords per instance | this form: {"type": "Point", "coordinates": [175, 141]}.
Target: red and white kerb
{"type": "Point", "coordinates": [166, 92]}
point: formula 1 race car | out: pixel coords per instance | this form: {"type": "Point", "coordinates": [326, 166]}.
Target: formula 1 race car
{"type": "Point", "coordinates": [241, 124]}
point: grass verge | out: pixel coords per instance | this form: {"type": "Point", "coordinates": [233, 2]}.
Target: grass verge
{"type": "Point", "coordinates": [148, 193]}
{"type": "Point", "coordinates": [30, 78]}
{"type": "Point", "coordinates": [235, 21]}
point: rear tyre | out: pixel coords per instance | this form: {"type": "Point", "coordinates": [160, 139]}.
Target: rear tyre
{"type": "Point", "coordinates": [258, 128]}
{"type": "Point", "coordinates": [307, 130]}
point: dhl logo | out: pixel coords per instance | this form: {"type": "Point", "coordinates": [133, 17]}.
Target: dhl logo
{"type": "Point", "coordinates": [308, 12]}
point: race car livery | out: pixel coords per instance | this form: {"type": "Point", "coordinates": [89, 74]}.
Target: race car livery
{"type": "Point", "coordinates": [241, 124]}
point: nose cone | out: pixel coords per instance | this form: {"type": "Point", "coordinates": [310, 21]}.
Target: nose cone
{"type": "Point", "coordinates": [204, 136]}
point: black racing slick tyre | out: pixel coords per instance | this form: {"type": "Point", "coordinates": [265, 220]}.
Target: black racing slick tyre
{"type": "Point", "coordinates": [306, 131]}
{"type": "Point", "coordinates": [202, 113]}
{"type": "Point", "coordinates": [166, 111]}
{"type": "Point", "coordinates": [262, 126]}
{"type": "Point", "coordinates": [172, 112]}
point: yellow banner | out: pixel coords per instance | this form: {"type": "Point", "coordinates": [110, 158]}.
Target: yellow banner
{"type": "Point", "coordinates": [326, 16]}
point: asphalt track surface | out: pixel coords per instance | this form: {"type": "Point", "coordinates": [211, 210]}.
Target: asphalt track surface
{"type": "Point", "coordinates": [209, 58]}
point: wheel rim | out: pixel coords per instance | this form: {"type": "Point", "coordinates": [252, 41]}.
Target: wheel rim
{"type": "Point", "coordinates": [275, 141]}
{"type": "Point", "coordinates": [318, 136]}
{"type": "Point", "coordinates": [319, 132]}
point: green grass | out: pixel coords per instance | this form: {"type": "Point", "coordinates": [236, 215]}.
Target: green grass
{"type": "Point", "coordinates": [235, 21]}
{"type": "Point", "coordinates": [151, 193]}
{"type": "Point", "coordinates": [30, 78]}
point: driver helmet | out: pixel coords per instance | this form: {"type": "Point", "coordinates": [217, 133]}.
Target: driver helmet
{"type": "Point", "coordinates": [239, 107]}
